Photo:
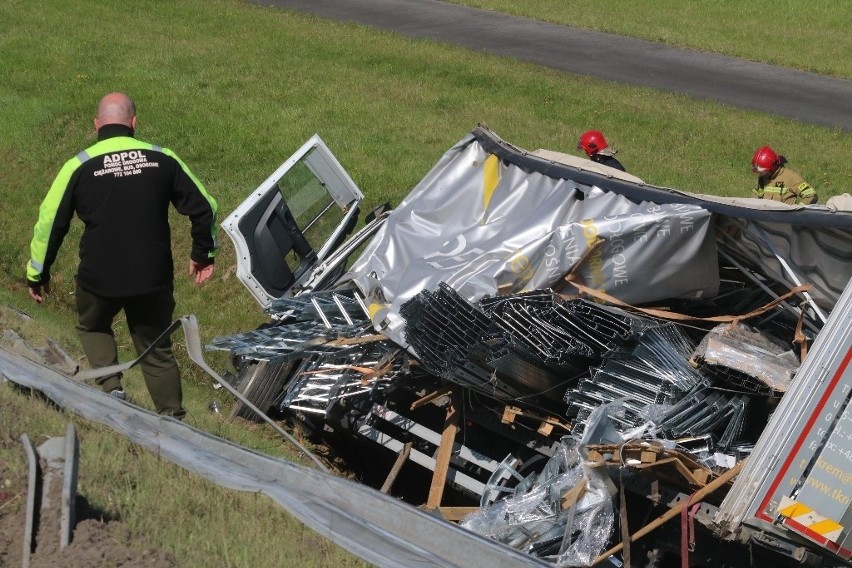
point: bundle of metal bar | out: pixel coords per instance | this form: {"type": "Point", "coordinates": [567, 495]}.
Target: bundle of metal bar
{"type": "Point", "coordinates": [287, 342]}
{"type": "Point", "coordinates": [460, 343]}
{"type": "Point", "coordinates": [707, 410]}
{"type": "Point", "coordinates": [655, 371]}
{"type": "Point", "coordinates": [324, 379]}
{"type": "Point", "coordinates": [664, 352]}
{"type": "Point", "coordinates": [339, 307]}
{"type": "Point", "coordinates": [561, 334]}
{"type": "Point", "coordinates": [520, 346]}
{"type": "Point", "coordinates": [442, 328]}
{"type": "Point", "coordinates": [302, 325]}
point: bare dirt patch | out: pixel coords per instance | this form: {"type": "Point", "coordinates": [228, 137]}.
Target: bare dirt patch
{"type": "Point", "coordinates": [95, 542]}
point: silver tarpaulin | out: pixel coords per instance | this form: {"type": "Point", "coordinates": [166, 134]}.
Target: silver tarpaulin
{"type": "Point", "coordinates": [485, 226]}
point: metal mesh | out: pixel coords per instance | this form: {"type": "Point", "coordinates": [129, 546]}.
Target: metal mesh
{"type": "Point", "coordinates": [513, 347]}
{"type": "Point", "coordinates": [655, 371]}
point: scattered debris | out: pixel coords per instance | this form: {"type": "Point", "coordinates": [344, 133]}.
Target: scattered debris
{"type": "Point", "coordinates": [542, 338]}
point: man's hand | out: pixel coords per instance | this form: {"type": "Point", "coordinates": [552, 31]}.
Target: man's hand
{"type": "Point", "coordinates": [201, 272]}
{"type": "Point", "coordinates": [38, 293]}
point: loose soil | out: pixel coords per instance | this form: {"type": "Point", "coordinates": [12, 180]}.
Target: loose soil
{"type": "Point", "coordinates": [95, 543]}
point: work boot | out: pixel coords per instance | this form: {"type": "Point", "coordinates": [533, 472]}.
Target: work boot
{"type": "Point", "coordinates": [118, 393]}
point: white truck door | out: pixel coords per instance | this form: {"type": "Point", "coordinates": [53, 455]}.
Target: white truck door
{"type": "Point", "coordinates": [293, 221]}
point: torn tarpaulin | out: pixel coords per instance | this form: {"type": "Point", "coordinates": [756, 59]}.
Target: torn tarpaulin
{"type": "Point", "coordinates": [484, 225]}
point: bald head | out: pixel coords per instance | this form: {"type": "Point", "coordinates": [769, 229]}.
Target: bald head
{"type": "Point", "coordinates": [116, 108]}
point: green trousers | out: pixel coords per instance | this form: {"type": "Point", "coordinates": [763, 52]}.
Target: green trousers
{"type": "Point", "coordinates": [147, 317]}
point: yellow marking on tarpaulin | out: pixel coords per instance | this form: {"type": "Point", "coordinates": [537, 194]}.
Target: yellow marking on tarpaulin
{"type": "Point", "coordinates": [490, 179]}
{"type": "Point", "coordinates": [374, 309]}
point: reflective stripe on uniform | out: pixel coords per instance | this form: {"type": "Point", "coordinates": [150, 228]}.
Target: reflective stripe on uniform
{"type": "Point", "coordinates": [772, 190]}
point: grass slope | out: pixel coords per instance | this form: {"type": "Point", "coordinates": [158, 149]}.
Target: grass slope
{"type": "Point", "coordinates": [234, 89]}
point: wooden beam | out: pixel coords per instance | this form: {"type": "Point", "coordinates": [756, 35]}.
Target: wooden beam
{"type": "Point", "coordinates": [344, 341]}
{"type": "Point", "coordinates": [432, 396]}
{"type": "Point", "coordinates": [511, 413]}
{"type": "Point", "coordinates": [570, 497]}
{"type": "Point", "coordinates": [445, 452]}
{"type": "Point", "coordinates": [675, 511]}
{"type": "Point", "coordinates": [456, 513]}
{"type": "Point", "coordinates": [394, 472]}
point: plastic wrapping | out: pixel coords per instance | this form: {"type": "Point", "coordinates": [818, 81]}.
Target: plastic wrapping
{"type": "Point", "coordinates": [751, 356]}
{"type": "Point", "coordinates": [533, 519]}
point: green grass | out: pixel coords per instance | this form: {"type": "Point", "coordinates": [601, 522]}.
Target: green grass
{"type": "Point", "coordinates": [234, 89]}
{"type": "Point", "coordinates": [812, 36]}
{"type": "Point", "coordinates": [161, 505]}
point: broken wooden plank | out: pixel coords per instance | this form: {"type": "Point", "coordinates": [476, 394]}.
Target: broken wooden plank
{"type": "Point", "coordinates": [445, 452]}
{"type": "Point", "coordinates": [397, 466]}
{"type": "Point", "coordinates": [547, 423]}
{"type": "Point", "coordinates": [345, 341]}
{"type": "Point", "coordinates": [432, 396]}
{"type": "Point", "coordinates": [570, 497]}
{"type": "Point", "coordinates": [456, 513]}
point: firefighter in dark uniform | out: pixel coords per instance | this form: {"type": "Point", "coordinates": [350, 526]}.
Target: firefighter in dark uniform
{"type": "Point", "coordinates": [594, 145]}
{"type": "Point", "coordinates": [121, 188]}
{"type": "Point", "coordinates": [777, 181]}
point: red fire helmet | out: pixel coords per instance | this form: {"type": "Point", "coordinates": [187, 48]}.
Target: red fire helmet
{"type": "Point", "coordinates": [765, 160]}
{"type": "Point", "coordinates": [592, 142]}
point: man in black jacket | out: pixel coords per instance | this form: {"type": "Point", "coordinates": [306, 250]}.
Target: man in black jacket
{"type": "Point", "coordinates": [121, 188]}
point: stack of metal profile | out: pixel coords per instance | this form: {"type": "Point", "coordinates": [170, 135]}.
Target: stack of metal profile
{"type": "Point", "coordinates": [326, 371]}
{"type": "Point", "coordinates": [323, 380]}
{"type": "Point", "coordinates": [707, 410]}
{"type": "Point", "coordinates": [329, 307]}
{"type": "Point", "coordinates": [562, 334]}
{"type": "Point", "coordinates": [513, 347]}
{"type": "Point", "coordinates": [452, 340]}
{"type": "Point", "coordinates": [302, 327]}
{"type": "Point", "coordinates": [281, 343]}
{"type": "Point", "coordinates": [655, 371]}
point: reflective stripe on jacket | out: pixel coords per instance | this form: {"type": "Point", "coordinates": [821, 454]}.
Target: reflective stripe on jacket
{"type": "Point", "coordinates": [121, 189]}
